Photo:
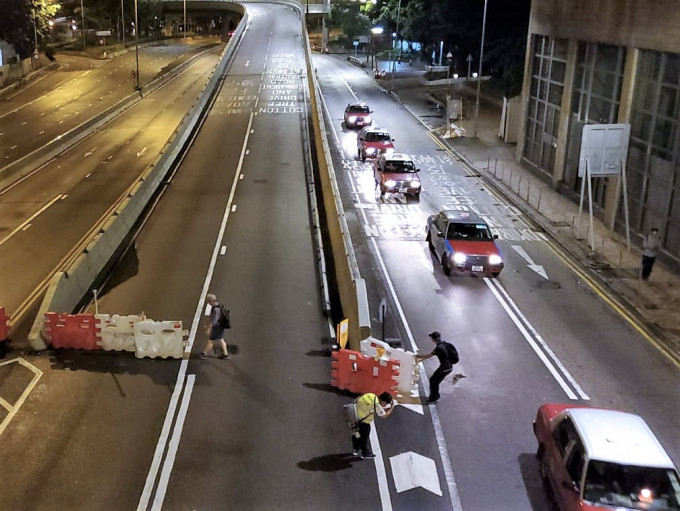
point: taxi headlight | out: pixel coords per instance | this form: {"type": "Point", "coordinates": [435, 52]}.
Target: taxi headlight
{"type": "Point", "coordinates": [495, 259]}
{"type": "Point", "coordinates": [459, 258]}
{"type": "Point", "coordinates": [370, 150]}
{"type": "Point", "coordinates": [415, 184]}
{"type": "Point", "coordinates": [367, 119]}
{"type": "Point", "coordinates": [390, 183]}
{"type": "Point", "coordinates": [389, 151]}
{"type": "Point", "coordinates": [352, 119]}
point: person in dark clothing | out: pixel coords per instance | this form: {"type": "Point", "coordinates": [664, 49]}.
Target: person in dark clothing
{"type": "Point", "coordinates": [445, 365]}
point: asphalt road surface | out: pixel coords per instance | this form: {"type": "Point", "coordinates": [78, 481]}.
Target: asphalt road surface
{"type": "Point", "coordinates": [523, 338]}
{"type": "Point", "coordinates": [263, 430]}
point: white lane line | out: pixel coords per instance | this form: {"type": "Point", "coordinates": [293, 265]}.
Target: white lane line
{"type": "Point", "coordinates": [540, 340]}
{"type": "Point", "coordinates": [530, 341]}
{"type": "Point", "coordinates": [162, 440]}
{"type": "Point", "coordinates": [383, 488]}
{"type": "Point", "coordinates": [169, 416]}
{"type": "Point", "coordinates": [13, 409]}
{"type": "Point", "coordinates": [173, 446]}
{"type": "Point", "coordinates": [28, 221]}
{"type": "Point", "coordinates": [434, 415]}
{"type": "Point", "coordinates": [223, 250]}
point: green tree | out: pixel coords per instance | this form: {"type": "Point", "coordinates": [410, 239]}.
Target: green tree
{"type": "Point", "coordinates": [22, 22]}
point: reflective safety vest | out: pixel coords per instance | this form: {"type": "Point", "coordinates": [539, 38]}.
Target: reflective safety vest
{"type": "Point", "coordinates": [366, 406]}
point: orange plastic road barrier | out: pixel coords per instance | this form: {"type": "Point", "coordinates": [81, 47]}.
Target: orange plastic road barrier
{"type": "Point", "coordinates": [350, 370]}
{"type": "Point", "coordinates": [77, 331]}
{"type": "Point", "coordinates": [4, 324]}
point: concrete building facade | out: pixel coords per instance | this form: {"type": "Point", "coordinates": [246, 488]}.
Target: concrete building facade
{"type": "Point", "coordinates": [608, 61]}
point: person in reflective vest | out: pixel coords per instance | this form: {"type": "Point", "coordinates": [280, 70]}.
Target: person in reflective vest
{"type": "Point", "coordinates": [368, 407]}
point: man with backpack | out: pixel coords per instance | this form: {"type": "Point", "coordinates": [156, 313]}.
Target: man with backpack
{"type": "Point", "coordinates": [218, 321]}
{"type": "Point", "coordinates": [447, 355]}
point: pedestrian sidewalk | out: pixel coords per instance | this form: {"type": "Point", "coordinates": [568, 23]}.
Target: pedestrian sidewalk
{"type": "Point", "coordinates": [654, 304]}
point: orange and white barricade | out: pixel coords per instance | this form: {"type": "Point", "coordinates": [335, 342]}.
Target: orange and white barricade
{"type": "Point", "coordinates": [117, 333]}
{"type": "Point", "coordinates": [163, 339]}
{"type": "Point", "coordinates": [408, 377]}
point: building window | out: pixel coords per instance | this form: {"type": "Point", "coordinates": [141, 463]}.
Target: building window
{"type": "Point", "coordinates": [597, 89]}
{"type": "Point", "coordinates": [653, 158]}
{"type": "Point", "coordinates": [549, 63]}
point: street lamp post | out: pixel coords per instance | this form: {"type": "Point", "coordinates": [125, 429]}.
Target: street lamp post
{"type": "Point", "coordinates": [82, 17]}
{"type": "Point", "coordinates": [122, 22]}
{"type": "Point", "coordinates": [397, 33]}
{"type": "Point", "coordinates": [185, 19]}
{"type": "Point", "coordinates": [479, 75]}
{"type": "Point", "coordinates": [137, 48]}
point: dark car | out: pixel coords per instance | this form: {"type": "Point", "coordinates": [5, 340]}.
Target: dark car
{"type": "Point", "coordinates": [372, 142]}
{"type": "Point", "coordinates": [358, 115]}
{"type": "Point", "coordinates": [463, 243]}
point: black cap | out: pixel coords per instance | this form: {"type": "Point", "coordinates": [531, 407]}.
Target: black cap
{"type": "Point", "coordinates": [436, 335]}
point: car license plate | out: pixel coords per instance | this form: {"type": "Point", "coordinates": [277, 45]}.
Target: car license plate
{"type": "Point", "coordinates": [403, 189]}
{"type": "Point", "coordinates": [478, 268]}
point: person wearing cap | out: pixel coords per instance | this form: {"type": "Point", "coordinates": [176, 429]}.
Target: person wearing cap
{"type": "Point", "coordinates": [445, 365]}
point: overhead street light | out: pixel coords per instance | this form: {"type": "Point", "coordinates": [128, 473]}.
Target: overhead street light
{"type": "Point", "coordinates": [479, 75]}
{"type": "Point", "coordinates": [374, 31]}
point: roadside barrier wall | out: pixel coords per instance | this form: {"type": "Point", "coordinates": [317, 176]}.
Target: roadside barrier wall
{"type": "Point", "coordinates": [67, 288]}
{"type": "Point", "coordinates": [351, 287]}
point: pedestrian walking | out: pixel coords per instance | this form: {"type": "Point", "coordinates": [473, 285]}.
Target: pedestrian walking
{"type": "Point", "coordinates": [215, 329]}
{"type": "Point", "coordinates": [368, 407]}
{"type": "Point", "coordinates": [447, 355]}
{"type": "Point", "coordinates": [650, 249]}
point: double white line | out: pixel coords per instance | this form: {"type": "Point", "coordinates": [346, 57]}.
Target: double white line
{"type": "Point", "coordinates": [184, 384]}
{"type": "Point", "coordinates": [545, 354]}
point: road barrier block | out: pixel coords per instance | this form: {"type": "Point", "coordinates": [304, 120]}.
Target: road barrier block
{"type": "Point", "coordinates": [117, 333]}
{"type": "Point", "coordinates": [409, 371]}
{"type": "Point", "coordinates": [4, 324]}
{"type": "Point", "coordinates": [79, 331]}
{"type": "Point", "coordinates": [353, 371]}
{"type": "Point", "coordinates": [163, 339]}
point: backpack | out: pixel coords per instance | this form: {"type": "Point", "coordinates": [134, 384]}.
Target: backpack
{"type": "Point", "coordinates": [225, 317]}
{"type": "Point", "coordinates": [453, 353]}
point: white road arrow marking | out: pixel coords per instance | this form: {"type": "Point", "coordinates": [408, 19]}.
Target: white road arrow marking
{"type": "Point", "coordinates": [90, 152]}
{"type": "Point", "coordinates": [140, 153]}
{"type": "Point", "coordinates": [530, 263]}
{"type": "Point", "coordinates": [411, 470]}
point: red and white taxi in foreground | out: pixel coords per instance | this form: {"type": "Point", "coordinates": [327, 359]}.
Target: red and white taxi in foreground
{"type": "Point", "coordinates": [601, 459]}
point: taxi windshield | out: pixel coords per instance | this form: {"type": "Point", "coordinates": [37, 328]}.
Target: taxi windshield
{"type": "Point", "coordinates": [399, 167]}
{"type": "Point", "coordinates": [632, 487]}
{"type": "Point", "coordinates": [377, 136]}
{"type": "Point", "coordinates": [469, 232]}
{"type": "Point", "coordinates": [358, 109]}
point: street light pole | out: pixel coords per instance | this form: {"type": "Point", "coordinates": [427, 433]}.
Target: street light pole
{"type": "Point", "coordinates": [185, 19]}
{"type": "Point", "coordinates": [397, 36]}
{"type": "Point", "coordinates": [82, 17]}
{"type": "Point", "coordinates": [137, 48]}
{"type": "Point", "coordinates": [479, 75]}
{"type": "Point", "coordinates": [122, 22]}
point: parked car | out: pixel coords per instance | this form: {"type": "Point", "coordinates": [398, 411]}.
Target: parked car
{"type": "Point", "coordinates": [358, 115]}
{"type": "Point", "coordinates": [463, 243]}
{"type": "Point", "coordinates": [396, 173]}
{"type": "Point", "coordinates": [603, 459]}
{"type": "Point", "coordinates": [372, 142]}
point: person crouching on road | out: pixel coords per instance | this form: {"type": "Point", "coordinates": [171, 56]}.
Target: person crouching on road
{"type": "Point", "coordinates": [368, 407]}
{"type": "Point", "coordinates": [214, 330]}
{"type": "Point", "coordinates": [445, 365]}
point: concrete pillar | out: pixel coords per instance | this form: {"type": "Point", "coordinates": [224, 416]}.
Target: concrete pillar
{"type": "Point", "coordinates": [526, 87]}
{"type": "Point", "coordinates": [565, 114]}
{"type": "Point", "coordinates": [612, 200]}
